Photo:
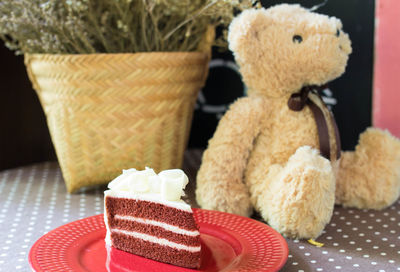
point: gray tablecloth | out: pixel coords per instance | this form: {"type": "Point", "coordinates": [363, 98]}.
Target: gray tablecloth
{"type": "Point", "coordinates": [33, 201]}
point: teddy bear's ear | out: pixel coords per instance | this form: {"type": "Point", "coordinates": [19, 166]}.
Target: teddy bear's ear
{"type": "Point", "coordinates": [246, 27]}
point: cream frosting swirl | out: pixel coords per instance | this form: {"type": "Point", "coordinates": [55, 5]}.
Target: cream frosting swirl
{"type": "Point", "coordinates": [169, 184]}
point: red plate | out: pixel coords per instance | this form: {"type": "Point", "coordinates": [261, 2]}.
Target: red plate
{"type": "Point", "coordinates": [229, 242]}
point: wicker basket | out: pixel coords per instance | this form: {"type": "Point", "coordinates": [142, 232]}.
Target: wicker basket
{"type": "Point", "coordinates": [107, 112]}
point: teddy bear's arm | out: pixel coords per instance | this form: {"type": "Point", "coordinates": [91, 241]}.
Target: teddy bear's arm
{"type": "Point", "coordinates": [220, 178]}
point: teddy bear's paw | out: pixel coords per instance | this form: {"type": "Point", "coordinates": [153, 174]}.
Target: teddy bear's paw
{"type": "Point", "coordinates": [301, 200]}
{"type": "Point", "coordinates": [231, 198]}
{"type": "Point", "coordinates": [369, 178]}
{"type": "Point", "coordinates": [308, 156]}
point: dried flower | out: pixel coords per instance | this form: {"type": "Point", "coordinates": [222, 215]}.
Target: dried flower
{"type": "Point", "coordinates": [111, 26]}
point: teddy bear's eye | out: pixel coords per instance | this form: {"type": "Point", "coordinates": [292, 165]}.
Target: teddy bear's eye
{"type": "Point", "coordinates": [297, 39]}
{"type": "Point", "coordinates": [337, 33]}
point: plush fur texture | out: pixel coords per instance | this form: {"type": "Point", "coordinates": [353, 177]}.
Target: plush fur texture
{"type": "Point", "coordinates": [264, 156]}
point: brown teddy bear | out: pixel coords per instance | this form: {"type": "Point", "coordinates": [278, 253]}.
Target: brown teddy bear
{"type": "Point", "coordinates": [278, 150]}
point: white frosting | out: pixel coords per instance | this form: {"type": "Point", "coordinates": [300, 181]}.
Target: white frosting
{"type": "Point", "coordinates": [168, 184]}
{"type": "Point", "coordinates": [156, 240]}
{"type": "Point", "coordinates": [108, 233]}
{"type": "Point", "coordinates": [163, 225]}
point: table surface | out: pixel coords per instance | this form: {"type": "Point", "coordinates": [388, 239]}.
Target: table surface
{"type": "Point", "coordinates": [33, 201]}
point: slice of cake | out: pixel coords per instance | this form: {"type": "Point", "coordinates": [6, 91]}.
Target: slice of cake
{"type": "Point", "coordinates": [144, 215]}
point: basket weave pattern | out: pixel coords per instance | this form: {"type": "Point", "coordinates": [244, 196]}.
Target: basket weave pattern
{"type": "Point", "coordinates": [108, 112]}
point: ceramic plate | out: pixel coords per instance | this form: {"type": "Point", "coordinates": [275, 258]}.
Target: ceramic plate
{"type": "Point", "coordinates": [229, 243]}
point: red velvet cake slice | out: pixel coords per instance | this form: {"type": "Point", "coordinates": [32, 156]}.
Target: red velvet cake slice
{"type": "Point", "coordinates": [144, 215]}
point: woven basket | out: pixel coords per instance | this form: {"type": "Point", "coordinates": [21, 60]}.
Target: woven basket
{"type": "Point", "coordinates": [108, 112]}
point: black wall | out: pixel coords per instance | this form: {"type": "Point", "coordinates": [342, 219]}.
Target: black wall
{"type": "Point", "coordinates": [24, 136]}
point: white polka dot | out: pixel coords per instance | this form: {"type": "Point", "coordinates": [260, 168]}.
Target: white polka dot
{"type": "Point", "coordinates": [356, 216]}
{"type": "Point", "coordinates": [384, 239]}
{"type": "Point", "coordinates": [320, 269]}
{"type": "Point", "coordinates": [383, 253]}
{"type": "Point", "coordinates": [331, 260]}
{"type": "Point", "coordinates": [356, 265]}
{"type": "Point", "coordinates": [333, 225]}
{"type": "Point", "coordinates": [329, 238]}
{"type": "Point", "coordinates": [348, 223]}
{"type": "Point", "coordinates": [368, 241]}
{"type": "Point", "coordinates": [338, 267]}
{"type": "Point", "coordinates": [324, 252]}
{"type": "Point", "coordinates": [295, 263]}
{"type": "Point", "coordinates": [373, 263]}
{"type": "Point", "coordinates": [307, 254]}
{"type": "Point", "coordinates": [366, 256]}
{"type": "Point", "coordinates": [301, 247]}
{"type": "Point", "coordinates": [375, 247]}
{"type": "Point", "coordinates": [361, 234]}
{"type": "Point", "coordinates": [349, 257]}
{"type": "Point", "coordinates": [358, 248]}
{"type": "Point", "coordinates": [352, 242]}
{"type": "Point", "coordinates": [345, 236]}
{"type": "Point", "coordinates": [363, 221]}
{"type": "Point", "coordinates": [371, 215]}
{"type": "Point", "coordinates": [335, 244]}
{"type": "Point", "coordinates": [313, 261]}
{"type": "Point", "coordinates": [391, 261]}
{"type": "Point", "coordinates": [370, 227]}
{"type": "Point", "coordinates": [355, 229]}
{"type": "Point", "coordinates": [339, 230]}
{"type": "Point", "coordinates": [392, 245]}
{"type": "Point", "coordinates": [290, 256]}
{"type": "Point", "coordinates": [342, 218]}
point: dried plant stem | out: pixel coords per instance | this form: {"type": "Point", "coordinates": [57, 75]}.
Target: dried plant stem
{"type": "Point", "coordinates": [192, 17]}
{"type": "Point", "coordinates": [99, 33]}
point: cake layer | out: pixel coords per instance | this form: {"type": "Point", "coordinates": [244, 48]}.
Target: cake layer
{"type": "Point", "coordinates": [151, 197]}
{"type": "Point", "coordinates": [140, 226]}
{"type": "Point", "coordinates": [149, 210]}
{"type": "Point", "coordinates": [165, 226]}
{"type": "Point", "coordinates": [158, 252]}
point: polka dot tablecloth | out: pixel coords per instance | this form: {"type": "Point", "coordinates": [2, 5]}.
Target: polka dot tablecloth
{"type": "Point", "coordinates": [33, 201]}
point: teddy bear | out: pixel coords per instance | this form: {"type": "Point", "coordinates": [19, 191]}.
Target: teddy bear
{"type": "Point", "coordinates": [277, 150]}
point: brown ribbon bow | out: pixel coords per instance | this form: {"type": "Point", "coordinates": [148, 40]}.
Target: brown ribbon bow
{"type": "Point", "coordinates": [299, 100]}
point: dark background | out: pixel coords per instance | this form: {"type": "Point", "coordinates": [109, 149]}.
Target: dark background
{"type": "Point", "coordinates": [24, 136]}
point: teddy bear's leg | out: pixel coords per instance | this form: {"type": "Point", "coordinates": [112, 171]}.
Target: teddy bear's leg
{"type": "Point", "coordinates": [369, 177]}
{"type": "Point", "coordinates": [298, 199]}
